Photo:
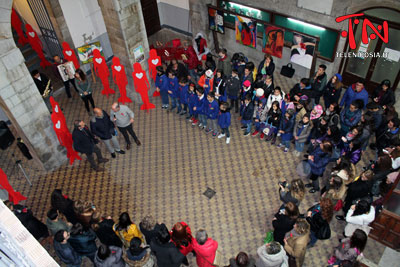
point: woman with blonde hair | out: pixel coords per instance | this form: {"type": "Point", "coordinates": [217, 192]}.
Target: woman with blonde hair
{"type": "Point", "coordinates": [296, 242]}
{"type": "Point", "coordinates": [293, 192]}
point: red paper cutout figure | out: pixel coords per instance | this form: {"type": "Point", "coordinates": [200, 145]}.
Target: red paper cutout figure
{"type": "Point", "coordinates": [69, 54]}
{"type": "Point", "coordinates": [13, 196]}
{"type": "Point", "coordinates": [37, 45]}
{"type": "Point", "coordinates": [62, 132]}
{"type": "Point", "coordinates": [154, 61]}
{"type": "Point", "coordinates": [101, 70]}
{"type": "Point", "coordinates": [119, 77]}
{"type": "Point", "coordinates": [142, 85]}
{"type": "Point", "coordinates": [17, 25]}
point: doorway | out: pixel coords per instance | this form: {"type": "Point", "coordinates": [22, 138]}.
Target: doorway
{"type": "Point", "coordinates": [150, 16]}
{"type": "Point", "coordinates": [375, 69]}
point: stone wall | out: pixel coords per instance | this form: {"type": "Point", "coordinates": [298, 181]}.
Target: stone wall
{"type": "Point", "coordinates": [22, 102]}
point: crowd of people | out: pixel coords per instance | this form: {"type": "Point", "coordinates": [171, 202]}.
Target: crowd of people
{"type": "Point", "coordinates": [328, 138]}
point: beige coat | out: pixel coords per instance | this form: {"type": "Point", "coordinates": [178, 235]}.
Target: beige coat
{"type": "Point", "coordinates": [296, 247]}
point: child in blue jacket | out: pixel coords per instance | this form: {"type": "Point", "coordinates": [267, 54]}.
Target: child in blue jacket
{"type": "Point", "coordinates": [183, 95]}
{"type": "Point", "coordinates": [162, 83]}
{"type": "Point", "coordinates": [224, 121]}
{"type": "Point", "coordinates": [173, 89]}
{"type": "Point", "coordinates": [199, 108]}
{"type": "Point", "coordinates": [191, 100]}
{"type": "Point", "coordinates": [212, 110]}
{"type": "Point", "coordinates": [286, 129]}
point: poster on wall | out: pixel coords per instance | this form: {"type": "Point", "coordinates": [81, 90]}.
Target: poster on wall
{"type": "Point", "coordinates": [273, 40]}
{"type": "Point", "coordinates": [302, 50]}
{"type": "Point", "coordinates": [216, 20]}
{"type": "Point", "coordinates": [138, 52]}
{"type": "Point", "coordinates": [67, 71]}
{"type": "Point", "coordinates": [85, 52]}
{"type": "Point", "coordinates": [246, 31]}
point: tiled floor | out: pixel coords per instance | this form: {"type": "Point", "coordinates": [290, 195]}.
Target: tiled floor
{"type": "Point", "coordinates": [167, 175]}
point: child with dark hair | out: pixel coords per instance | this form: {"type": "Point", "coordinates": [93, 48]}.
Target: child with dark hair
{"type": "Point", "coordinates": [242, 260]}
{"type": "Point", "coordinates": [224, 121]}
{"type": "Point", "coordinates": [212, 110]}
{"type": "Point", "coordinates": [353, 151]}
{"type": "Point", "coordinates": [162, 85]}
{"type": "Point", "coordinates": [233, 86]}
{"type": "Point", "coordinates": [318, 161]}
{"type": "Point", "coordinates": [273, 121]}
{"type": "Point", "coordinates": [199, 108]}
{"type": "Point", "coordinates": [191, 99]}
{"type": "Point", "coordinates": [138, 255]}
{"type": "Point", "coordinates": [109, 256]}
{"type": "Point", "coordinates": [285, 130]}
{"type": "Point", "coordinates": [247, 114]}
{"type": "Point", "coordinates": [173, 90]}
{"type": "Point", "coordinates": [183, 95]}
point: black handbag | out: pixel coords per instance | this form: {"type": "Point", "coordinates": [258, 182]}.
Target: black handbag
{"type": "Point", "coordinates": [287, 70]}
{"type": "Point", "coordinates": [324, 232]}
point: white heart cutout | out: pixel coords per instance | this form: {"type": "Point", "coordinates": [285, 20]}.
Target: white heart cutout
{"type": "Point", "coordinates": [118, 68]}
{"type": "Point", "coordinates": [58, 125]}
{"type": "Point", "coordinates": [139, 75]}
{"type": "Point", "coordinates": [69, 53]}
{"type": "Point", "coordinates": [155, 61]}
{"type": "Point", "coordinates": [32, 34]}
{"type": "Point", "coordinates": [56, 108]}
{"type": "Point", "coordinates": [99, 60]}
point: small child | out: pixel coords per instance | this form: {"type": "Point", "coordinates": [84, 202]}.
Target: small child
{"type": "Point", "coordinates": [233, 89]}
{"type": "Point", "coordinates": [212, 111]}
{"type": "Point", "coordinates": [206, 81]}
{"type": "Point", "coordinates": [224, 121]}
{"type": "Point", "coordinates": [301, 131]}
{"type": "Point", "coordinates": [247, 114]}
{"type": "Point", "coordinates": [276, 96]}
{"type": "Point", "coordinates": [246, 90]}
{"type": "Point", "coordinates": [55, 224]}
{"type": "Point", "coordinates": [273, 121]}
{"type": "Point", "coordinates": [259, 118]}
{"type": "Point", "coordinates": [286, 103]}
{"type": "Point", "coordinates": [183, 95]}
{"type": "Point", "coordinates": [219, 86]}
{"type": "Point", "coordinates": [173, 89]}
{"type": "Point", "coordinates": [199, 108]}
{"type": "Point", "coordinates": [286, 129]}
{"type": "Point", "coordinates": [191, 100]}
{"type": "Point", "coordinates": [162, 85]}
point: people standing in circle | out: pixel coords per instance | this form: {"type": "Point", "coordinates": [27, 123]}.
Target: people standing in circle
{"type": "Point", "coordinates": [122, 116]}
{"type": "Point", "coordinates": [85, 89]}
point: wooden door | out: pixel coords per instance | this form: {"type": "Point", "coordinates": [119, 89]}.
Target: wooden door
{"type": "Point", "coordinates": [151, 16]}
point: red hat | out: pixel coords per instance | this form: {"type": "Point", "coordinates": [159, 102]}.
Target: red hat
{"type": "Point", "coordinates": [247, 83]}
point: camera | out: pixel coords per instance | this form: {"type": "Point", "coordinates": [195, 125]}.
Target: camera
{"type": "Point", "coordinates": [283, 184]}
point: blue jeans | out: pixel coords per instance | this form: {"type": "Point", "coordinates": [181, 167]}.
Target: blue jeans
{"type": "Point", "coordinates": [248, 129]}
{"type": "Point", "coordinates": [286, 143]}
{"type": "Point", "coordinates": [164, 98]}
{"type": "Point", "coordinates": [313, 238]}
{"type": "Point", "coordinates": [299, 146]}
{"type": "Point", "coordinates": [225, 131]}
{"type": "Point", "coordinates": [179, 104]}
{"type": "Point", "coordinates": [203, 119]}
{"type": "Point", "coordinates": [174, 102]}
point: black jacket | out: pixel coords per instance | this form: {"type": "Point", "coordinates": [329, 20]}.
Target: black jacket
{"type": "Point", "coordinates": [269, 70]}
{"type": "Point", "coordinates": [106, 234]}
{"type": "Point", "coordinates": [233, 86]}
{"type": "Point", "coordinates": [248, 112]}
{"type": "Point", "coordinates": [42, 83]}
{"type": "Point", "coordinates": [84, 243]}
{"type": "Point", "coordinates": [102, 127]}
{"type": "Point", "coordinates": [282, 225]}
{"type": "Point", "coordinates": [387, 99]}
{"type": "Point", "coordinates": [31, 223]}
{"type": "Point", "coordinates": [83, 140]}
{"type": "Point", "coordinates": [149, 234]}
{"type": "Point", "coordinates": [168, 255]}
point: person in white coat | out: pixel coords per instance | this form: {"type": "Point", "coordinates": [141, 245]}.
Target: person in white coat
{"type": "Point", "coordinates": [272, 255]}
{"type": "Point", "coordinates": [359, 216]}
{"type": "Point", "coordinates": [278, 95]}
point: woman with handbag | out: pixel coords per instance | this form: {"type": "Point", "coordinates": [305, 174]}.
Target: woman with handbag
{"type": "Point", "coordinates": [284, 220]}
{"type": "Point", "coordinates": [296, 242]}
{"type": "Point", "coordinates": [319, 216]}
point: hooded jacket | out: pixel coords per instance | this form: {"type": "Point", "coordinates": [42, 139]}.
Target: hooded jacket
{"type": "Point", "coordinates": [102, 127]}
{"type": "Point", "coordinates": [114, 260]}
{"type": "Point", "coordinates": [205, 253]}
{"type": "Point", "coordinates": [279, 259]}
{"type": "Point", "coordinates": [351, 94]}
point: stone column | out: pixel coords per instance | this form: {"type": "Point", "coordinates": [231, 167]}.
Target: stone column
{"type": "Point", "coordinates": [126, 30]}
{"type": "Point", "coordinates": [22, 102]}
{"type": "Point", "coordinates": [199, 16]}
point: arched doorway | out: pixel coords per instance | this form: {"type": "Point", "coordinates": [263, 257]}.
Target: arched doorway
{"type": "Point", "coordinates": [375, 69]}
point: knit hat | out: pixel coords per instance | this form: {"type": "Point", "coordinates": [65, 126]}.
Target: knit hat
{"type": "Point", "coordinates": [339, 77]}
{"type": "Point", "coordinates": [209, 73]}
{"type": "Point", "coordinates": [391, 177]}
{"type": "Point", "coordinates": [246, 83]}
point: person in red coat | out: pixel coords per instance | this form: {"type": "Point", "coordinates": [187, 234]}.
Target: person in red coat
{"type": "Point", "coordinates": [191, 60]}
{"type": "Point", "coordinates": [205, 249]}
{"type": "Point", "coordinates": [181, 236]}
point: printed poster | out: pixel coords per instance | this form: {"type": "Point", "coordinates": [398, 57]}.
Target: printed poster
{"type": "Point", "coordinates": [85, 52]}
{"type": "Point", "coordinates": [273, 40]}
{"type": "Point", "coordinates": [138, 52]}
{"type": "Point", "coordinates": [302, 50]}
{"type": "Point", "coordinates": [246, 31]}
{"type": "Point", "coordinates": [67, 71]}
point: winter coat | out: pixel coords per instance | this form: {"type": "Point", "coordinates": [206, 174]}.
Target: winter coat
{"type": "Point", "coordinates": [268, 89]}
{"type": "Point", "coordinates": [144, 259]}
{"type": "Point", "coordinates": [279, 259]}
{"type": "Point", "coordinates": [149, 234]}
{"type": "Point", "coordinates": [318, 85]}
{"type": "Point", "coordinates": [212, 109]}
{"type": "Point", "coordinates": [205, 253]}
{"type": "Point", "coordinates": [321, 159]}
{"type": "Point", "coordinates": [316, 222]}
{"type": "Point", "coordinates": [297, 246]}
{"type": "Point", "coordinates": [173, 87]}
{"type": "Point", "coordinates": [106, 234]}
{"type": "Point", "coordinates": [233, 86]}
{"type": "Point", "coordinates": [300, 114]}
{"type": "Point", "coordinates": [67, 254]}
{"type": "Point", "coordinates": [349, 119]}
{"type": "Point", "coordinates": [114, 260]}
{"type": "Point", "coordinates": [224, 119]}
{"type": "Point", "coordinates": [127, 235]}
{"type": "Point", "coordinates": [102, 127]}
{"type": "Point", "coordinates": [282, 225]}
{"type": "Point", "coordinates": [357, 190]}
{"type": "Point", "coordinates": [274, 117]}
{"type": "Point", "coordinates": [353, 155]}
{"type": "Point", "coordinates": [350, 95]}
{"type": "Point", "coordinates": [387, 138]}
{"type": "Point", "coordinates": [192, 60]}
{"type": "Point", "coordinates": [206, 81]}
{"type": "Point", "coordinates": [84, 243]}
{"type": "Point", "coordinates": [167, 254]}
{"type": "Point", "coordinates": [30, 222]}
{"type": "Point", "coordinates": [359, 222]}
{"type": "Point", "coordinates": [162, 82]}
{"type": "Point", "coordinates": [345, 252]}
{"type": "Point", "coordinates": [304, 130]}
{"type": "Point", "coordinates": [296, 90]}
{"type": "Point", "coordinates": [225, 65]}
{"type": "Point", "coordinates": [200, 105]}
{"type": "Point", "coordinates": [183, 92]}
{"type": "Point", "coordinates": [248, 111]}
{"type": "Point", "coordinates": [387, 98]}
{"type": "Point", "coordinates": [189, 247]}
{"type": "Point", "coordinates": [287, 126]}
{"type": "Point", "coordinates": [268, 70]}
{"type": "Point", "coordinates": [272, 98]}
{"type": "Point", "coordinates": [83, 140]}
{"type": "Point", "coordinates": [332, 93]}
{"type": "Point", "coordinates": [55, 226]}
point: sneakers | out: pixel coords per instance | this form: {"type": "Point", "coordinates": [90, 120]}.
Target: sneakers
{"type": "Point", "coordinates": [200, 125]}
{"type": "Point", "coordinates": [221, 135]}
{"type": "Point", "coordinates": [286, 150]}
{"type": "Point", "coordinates": [280, 145]}
{"type": "Point", "coordinates": [189, 118]}
{"type": "Point", "coordinates": [103, 160]}
{"type": "Point", "coordinates": [214, 134]}
{"type": "Point", "coordinates": [255, 133]}
{"type": "Point", "coordinates": [113, 155]}
{"type": "Point", "coordinates": [120, 151]}
{"type": "Point", "coordinates": [228, 139]}
{"type": "Point", "coordinates": [243, 127]}
{"type": "Point", "coordinates": [246, 133]}
{"type": "Point", "coordinates": [208, 130]}
{"type": "Point", "coordinates": [261, 135]}
{"type": "Point", "coordinates": [194, 122]}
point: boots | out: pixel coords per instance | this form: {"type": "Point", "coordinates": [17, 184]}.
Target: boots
{"type": "Point", "coordinates": [273, 140]}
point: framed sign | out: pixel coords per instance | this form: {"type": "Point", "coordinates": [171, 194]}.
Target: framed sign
{"type": "Point", "coordinates": [216, 20]}
{"type": "Point", "coordinates": [138, 52]}
{"type": "Point", "coordinates": [85, 52]}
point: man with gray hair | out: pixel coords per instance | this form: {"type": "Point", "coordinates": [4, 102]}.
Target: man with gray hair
{"type": "Point", "coordinates": [205, 248]}
{"type": "Point", "coordinates": [123, 118]}
{"type": "Point", "coordinates": [272, 255]}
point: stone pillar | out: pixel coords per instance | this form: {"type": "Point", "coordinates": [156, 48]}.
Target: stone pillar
{"type": "Point", "coordinates": [199, 16]}
{"type": "Point", "coordinates": [58, 20]}
{"type": "Point", "coordinates": [126, 30]}
{"type": "Point", "coordinates": [22, 102]}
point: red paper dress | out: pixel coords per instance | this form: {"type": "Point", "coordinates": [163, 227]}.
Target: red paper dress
{"type": "Point", "coordinates": [101, 70]}
{"type": "Point", "coordinates": [69, 54]}
{"type": "Point", "coordinates": [36, 45]}
{"type": "Point", "coordinates": [62, 132]}
{"type": "Point", "coordinates": [142, 85]}
{"type": "Point", "coordinates": [154, 61]}
{"type": "Point", "coordinates": [119, 77]}
{"type": "Point", "coordinates": [17, 25]}
{"type": "Point", "coordinates": [13, 196]}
